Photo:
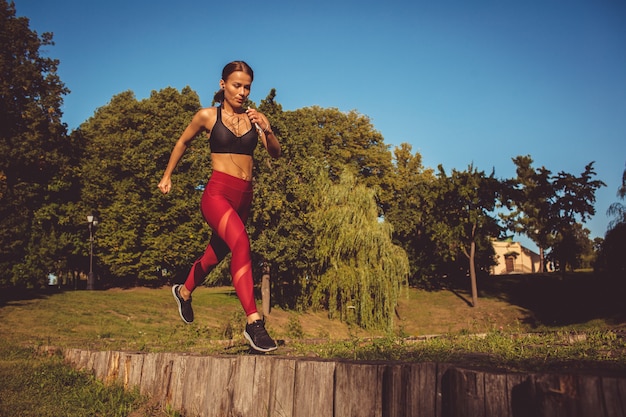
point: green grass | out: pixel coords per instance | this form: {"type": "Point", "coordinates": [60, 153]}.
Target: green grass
{"type": "Point", "coordinates": [41, 386]}
{"type": "Point", "coordinates": [520, 323]}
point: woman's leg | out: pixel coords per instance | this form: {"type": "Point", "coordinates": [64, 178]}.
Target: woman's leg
{"type": "Point", "coordinates": [214, 253]}
{"type": "Point", "coordinates": [227, 224]}
{"type": "Point", "coordinates": [225, 206]}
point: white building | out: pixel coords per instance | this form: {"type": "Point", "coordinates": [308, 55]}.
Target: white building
{"type": "Point", "coordinates": [513, 258]}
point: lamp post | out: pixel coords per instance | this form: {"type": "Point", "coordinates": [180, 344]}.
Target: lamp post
{"type": "Point", "coordinates": [92, 222]}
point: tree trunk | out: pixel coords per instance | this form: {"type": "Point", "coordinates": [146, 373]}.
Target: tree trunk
{"type": "Point", "coordinates": [265, 289]}
{"type": "Point", "coordinates": [472, 268]}
{"type": "Point", "coordinates": [541, 260]}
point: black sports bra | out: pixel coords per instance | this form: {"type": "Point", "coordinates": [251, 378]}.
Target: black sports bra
{"type": "Point", "coordinates": [222, 140]}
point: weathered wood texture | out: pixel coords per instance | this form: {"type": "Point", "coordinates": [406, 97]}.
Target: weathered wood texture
{"type": "Point", "coordinates": [258, 386]}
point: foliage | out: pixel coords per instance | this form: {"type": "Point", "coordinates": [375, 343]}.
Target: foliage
{"type": "Point", "coordinates": [36, 157]}
{"type": "Point", "coordinates": [546, 207]}
{"type": "Point", "coordinates": [467, 220]}
{"type": "Point", "coordinates": [315, 142]}
{"type": "Point", "coordinates": [438, 219]}
{"type": "Point", "coordinates": [411, 212]}
{"type": "Point", "coordinates": [359, 270]}
{"type": "Point", "coordinates": [143, 234]}
{"type": "Point", "coordinates": [617, 210]}
{"type": "Point", "coordinates": [611, 258]}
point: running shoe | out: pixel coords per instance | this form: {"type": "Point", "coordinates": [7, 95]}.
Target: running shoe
{"type": "Point", "coordinates": [258, 338]}
{"type": "Point", "coordinates": [184, 306]}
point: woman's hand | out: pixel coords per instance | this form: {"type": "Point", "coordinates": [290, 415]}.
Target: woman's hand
{"type": "Point", "coordinates": [259, 119]}
{"type": "Point", "coordinates": [165, 185]}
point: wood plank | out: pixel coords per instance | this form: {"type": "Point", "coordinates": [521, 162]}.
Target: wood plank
{"type": "Point", "coordinates": [113, 370]}
{"type": "Point", "coordinates": [198, 386]}
{"type": "Point", "coordinates": [314, 389]}
{"type": "Point", "coordinates": [520, 399]}
{"type": "Point", "coordinates": [496, 395]}
{"type": "Point", "coordinates": [100, 364]}
{"type": "Point", "coordinates": [216, 386]}
{"type": "Point", "coordinates": [242, 390]}
{"type": "Point", "coordinates": [428, 389]}
{"type": "Point", "coordinates": [282, 386]}
{"type": "Point", "coordinates": [179, 373]}
{"type": "Point", "coordinates": [440, 369]}
{"type": "Point", "coordinates": [394, 391]}
{"type": "Point", "coordinates": [358, 389]}
{"type": "Point", "coordinates": [133, 368]}
{"type": "Point", "coordinates": [588, 400]}
{"type": "Point", "coordinates": [463, 393]}
{"type": "Point", "coordinates": [555, 395]}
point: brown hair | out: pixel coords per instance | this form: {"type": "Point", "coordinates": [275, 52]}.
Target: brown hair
{"type": "Point", "coordinates": [229, 69]}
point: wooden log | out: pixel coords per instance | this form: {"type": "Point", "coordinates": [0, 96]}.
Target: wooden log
{"type": "Point", "coordinates": [358, 389]}
{"type": "Point", "coordinates": [179, 373]}
{"type": "Point", "coordinates": [464, 393]}
{"type": "Point", "coordinates": [496, 395]}
{"type": "Point", "coordinates": [112, 374]}
{"type": "Point", "coordinates": [395, 386]}
{"type": "Point", "coordinates": [241, 387]}
{"type": "Point", "coordinates": [314, 388]}
{"type": "Point", "coordinates": [133, 368]}
{"type": "Point", "coordinates": [412, 389]}
{"type": "Point", "coordinates": [159, 385]}
{"type": "Point", "coordinates": [281, 386]}
{"type": "Point", "coordinates": [614, 396]}
{"type": "Point", "coordinates": [258, 386]}
{"type": "Point", "coordinates": [201, 384]}
{"type": "Point", "coordinates": [100, 364]}
{"type": "Point", "coordinates": [439, 370]}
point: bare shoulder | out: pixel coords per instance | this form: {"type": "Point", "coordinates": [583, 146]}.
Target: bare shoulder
{"type": "Point", "coordinates": [206, 117]}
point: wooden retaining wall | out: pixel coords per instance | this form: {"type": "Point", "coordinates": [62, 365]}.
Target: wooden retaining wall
{"type": "Point", "coordinates": [261, 386]}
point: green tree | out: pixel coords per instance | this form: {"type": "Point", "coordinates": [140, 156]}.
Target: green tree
{"type": "Point", "coordinates": [411, 212]}
{"type": "Point", "coordinates": [467, 206]}
{"type": "Point", "coordinates": [143, 234]}
{"type": "Point", "coordinates": [617, 210]}
{"type": "Point", "coordinates": [35, 153]}
{"type": "Point", "coordinates": [313, 141]}
{"type": "Point", "coordinates": [530, 196]}
{"type": "Point", "coordinates": [611, 258]}
{"type": "Point", "coordinates": [359, 271]}
{"type": "Point", "coordinates": [546, 206]}
{"type": "Point", "coordinates": [571, 249]}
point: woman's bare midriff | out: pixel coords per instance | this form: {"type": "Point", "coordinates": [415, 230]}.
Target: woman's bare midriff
{"type": "Point", "coordinates": [237, 165]}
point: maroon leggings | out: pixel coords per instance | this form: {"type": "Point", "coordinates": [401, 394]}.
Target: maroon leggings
{"type": "Point", "coordinates": [225, 206]}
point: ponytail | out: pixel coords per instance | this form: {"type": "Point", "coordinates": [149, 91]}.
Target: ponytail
{"type": "Point", "coordinates": [219, 96]}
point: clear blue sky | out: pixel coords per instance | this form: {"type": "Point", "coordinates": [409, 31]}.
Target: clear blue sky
{"type": "Point", "coordinates": [463, 82]}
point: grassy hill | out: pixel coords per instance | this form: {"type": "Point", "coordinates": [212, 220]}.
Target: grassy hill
{"type": "Point", "coordinates": [144, 319]}
{"type": "Point", "coordinates": [526, 323]}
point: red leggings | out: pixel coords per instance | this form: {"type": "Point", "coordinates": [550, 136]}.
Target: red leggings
{"type": "Point", "coordinates": [225, 206]}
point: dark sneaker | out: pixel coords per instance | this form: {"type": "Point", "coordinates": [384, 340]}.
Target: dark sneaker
{"type": "Point", "coordinates": [184, 307]}
{"type": "Point", "coordinates": [258, 338]}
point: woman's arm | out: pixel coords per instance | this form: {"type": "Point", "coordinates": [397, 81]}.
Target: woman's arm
{"type": "Point", "coordinates": [270, 141]}
{"type": "Point", "coordinates": [199, 122]}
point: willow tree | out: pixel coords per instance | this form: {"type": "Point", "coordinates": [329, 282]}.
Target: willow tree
{"type": "Point", "coordinates": [360, 272]}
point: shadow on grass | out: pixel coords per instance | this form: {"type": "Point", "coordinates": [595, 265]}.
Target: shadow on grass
{"type": "Point", "coordinates": [556, 300]}
{"type": "Point", "coordinates": [17, 296]}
